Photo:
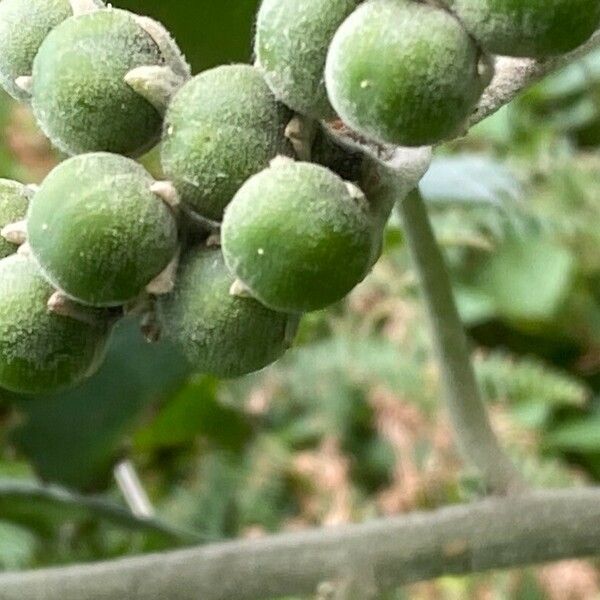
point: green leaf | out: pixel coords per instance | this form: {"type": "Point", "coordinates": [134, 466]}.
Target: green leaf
{"type": "Point", "coordinates": [195, 411]}
{"type": "Point", "coordinates": [17, 546]}
{"type": "Point", "coordinates": [43, 508]}
{"type": "Point", "coordinates": [528, 380]}
{"type": "Point", "coordinates": [74, 437]}
{"type": "Point", "coordinates": [527, 278]}
{"type": "Point", "coordinates": [469, 179]}
{"type": "Point", "coordinates": [581, 436]}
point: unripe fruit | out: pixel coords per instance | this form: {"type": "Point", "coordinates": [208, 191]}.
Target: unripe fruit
{"type": "Point", "coordinates": [297, 236]}
{"type": "Point", "coordinates": [530, 28]}
{"type": "Point", "coordinates": [41, 351]}
{"type": "Point", "coordinates": [403, 72]}
{"type": "Point", "coordinates": [14, 198]}
{"type": "Point", "coordinates": [24, 24]}
{"type": "Point", "coordinates": [220, 333]}
{"type": "Point", "coordinates": [98, 231]}
{"type": "Point", "coordinates": [292, 39]}
{"type": "Point", "coordinates": [222, 127]}
{"type": "Point", "coordinates": [79, 95]}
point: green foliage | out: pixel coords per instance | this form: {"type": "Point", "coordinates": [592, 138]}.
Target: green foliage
{"type": "Point", "coordinates": [75, 437]}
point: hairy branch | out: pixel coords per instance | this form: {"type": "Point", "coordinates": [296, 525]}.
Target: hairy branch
{"type": "Point", "coordinates": [494, 533]}
{"type": "Point", "coordinates": [513, 75]}
{"type": "Point", "coordinates": [467, 410]}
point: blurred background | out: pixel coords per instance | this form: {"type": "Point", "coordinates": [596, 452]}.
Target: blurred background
{"type": "Point", "coordinates": [349, 425]}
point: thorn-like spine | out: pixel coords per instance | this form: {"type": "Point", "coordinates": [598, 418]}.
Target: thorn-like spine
{"type": "Point", "coordinates": [83, 7]}
{"type": "Point", "coordinates": [25, 83]}
{"type": "Point", "coordinates": [15, 233]}
{"type": "Point", "coordinates": [214, 240]}
{"type": "Point", "coordinates": [240, 289]}
{"type": "Point", "coordinates": [301, 131]}
{"type": "Point", "coordinates": [280, 161]}
{"type": "Point", "coordinates": [150, 327]}
{"type": "Point", "coordinates": [164, 282]}
{"type": "Point", "coordinates": [167, 192]}
{"type": "Point", "coordinates": [156, 83]}
{"type": "Point", "coordinates": [24, 250]}
{"type": "Point", "coordinates": [355, 192]}
{"type": "Point", "coordinates": [60, 304]}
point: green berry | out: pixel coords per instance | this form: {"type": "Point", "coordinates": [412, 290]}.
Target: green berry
{"type": "Point", "coordinates": [222, 127]}
{"type": "Point", "coordinates": [79, 95]}
{"type": "Point", "coordinates": [99, 231]}
{"type": "Point", "coordinates": [41, 351]}
{"type": "Point", "coordinates": [529, 28]}
{"type": "Point", "coordinates": [403, 72]}
{"type": "Point", "coordinates": [292, 39]}
{"type": "Point", "coordinates": [14, 198]}
{"type": "Point", "coordinates": [24, 24]}
{"type": "Point", "coordinates": [298, 237]}
{"type": "Point", "coordinates": [220, 333]}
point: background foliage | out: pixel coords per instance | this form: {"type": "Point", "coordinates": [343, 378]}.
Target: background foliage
{"type": "Point", "coordinates": [348, 425]}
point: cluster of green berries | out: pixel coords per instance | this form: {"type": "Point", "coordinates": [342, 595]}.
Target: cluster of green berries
{"type": "Point", "coordinates": [262, 215]}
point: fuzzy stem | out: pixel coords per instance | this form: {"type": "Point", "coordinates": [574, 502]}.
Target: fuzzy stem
{"type": "Point", "coordinates": [496, 533]}
{"type": "Point", "coordinates": [467, 410]}
{"type": "Point", "coordinates": [513, 75]}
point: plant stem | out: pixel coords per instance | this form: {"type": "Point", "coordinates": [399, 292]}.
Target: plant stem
{"type": "Point", "coordinates": [515, 74]}
{"type": "Point", "coordinates": [468, 413]}
{"type": "Point", "coordinates": [28, 496]}
{"type": "Point", "coordinates": [496, 533]}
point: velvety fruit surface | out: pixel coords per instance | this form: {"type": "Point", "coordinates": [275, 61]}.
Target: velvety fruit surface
{"type": "Point", "coordinates": [297, 236]}
{"type": "Point", "coordinates": [80, 97]}
{"type": "Point", "coordinates": [220, 333]}
{"type": "Point", "coordinates": [98, 231]}
{"type": "Point", "coordinates": [532, 28]}
{"type": "Point", "coordinates": [14, 198]}
{"type": "Point", "coordinates": [222, 127]}
{"type": "Point", "coordinates": [41, 351]}
{"type": "Point", "coordinates": [403, 72]}
{"type": "Point", "coordinates": [292, 39]}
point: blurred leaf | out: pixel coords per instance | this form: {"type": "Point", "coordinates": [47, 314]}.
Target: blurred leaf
{"type": "Point", "coordinates": [527, 279]}
{"type": "Point", "coordinates": [528, 380]}
{"type": "Point", "coordinates": [46, 507]}
{"type": "Point", "coordinates": [208, 504]}
{"type": "Point", "coordinates": [195, 411]}
{"type": "Point", "coordinates": [469, 179]}
{"type": "Point", "coordinates": [17, 546]}
{"type": "Point", "coordinates": [74, 437]}
{"type": "Point", "coordinates": [581, 436]}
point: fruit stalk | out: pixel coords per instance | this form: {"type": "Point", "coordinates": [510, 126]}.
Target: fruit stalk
{"type": "Point", "coordinates": [472, 427]}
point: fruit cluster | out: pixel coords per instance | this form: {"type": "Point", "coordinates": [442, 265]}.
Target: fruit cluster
{"type": "Point", "coordinates": [261, 216]}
